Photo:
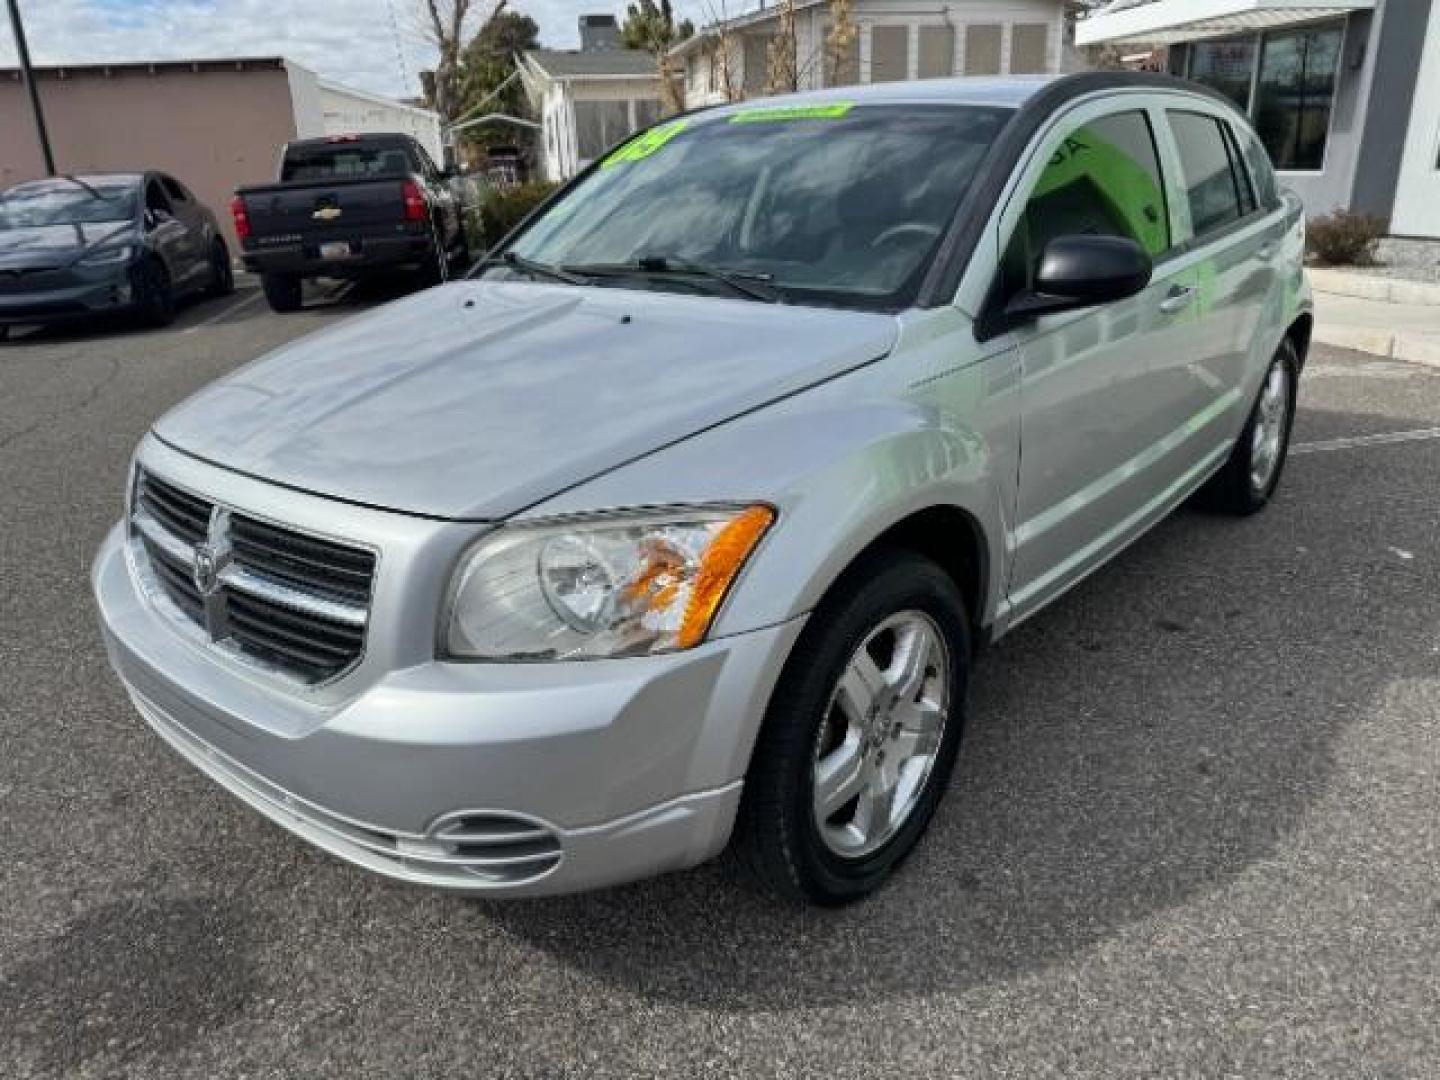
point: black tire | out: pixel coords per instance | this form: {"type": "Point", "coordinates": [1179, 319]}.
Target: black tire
{"type": "Point", "coordinates": [222, 272]}
{"type": "Point", "coordinates": [4, 333]}
{"type": "Point", "coordinates": [777, 834]}
{"type": "Point", "coordinates": [283, 292]}
{"type": "Point", "coordinates": [154, 294]}
{"type": "Point", "coordinates": [1235, 489]}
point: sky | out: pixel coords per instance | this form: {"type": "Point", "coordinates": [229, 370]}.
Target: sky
{"type": "Point", "coordinates": [374, 45]}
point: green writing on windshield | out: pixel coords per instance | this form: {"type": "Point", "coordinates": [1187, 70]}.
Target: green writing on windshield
{"type": "Point", "coordinates": [781, 113]}
{"type": "Point", "coordinates": [642, 146]}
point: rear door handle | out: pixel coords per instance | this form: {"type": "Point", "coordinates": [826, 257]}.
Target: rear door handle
{"type": "Point", "coordinates": [1177, 299]}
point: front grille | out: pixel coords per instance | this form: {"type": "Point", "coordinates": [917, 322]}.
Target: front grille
{"type": "Point", "coordinates": [292, 602]}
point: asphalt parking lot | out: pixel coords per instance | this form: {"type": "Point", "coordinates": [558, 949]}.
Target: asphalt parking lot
{"type": "Point", "coordinates": [1195, 831]}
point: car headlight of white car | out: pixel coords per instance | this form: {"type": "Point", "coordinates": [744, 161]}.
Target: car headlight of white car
{"type": "Point", "coordinates": [599, 587]}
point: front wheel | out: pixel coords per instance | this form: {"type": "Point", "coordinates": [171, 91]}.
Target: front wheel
{"type": "Point", "coordinates": [222, 273]}
{"type": "Point", "coordinates": [1250, 476]}
{"type": "Point", "coordinates": [154, 294]}
{"type": "Point", "coordinates": [861, 735]}
{"type": "Point", "coordinates": [283, 292]}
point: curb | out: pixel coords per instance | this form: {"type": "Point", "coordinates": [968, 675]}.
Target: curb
{"type": "Point", "coordinates": [1411, 347]}
{"type": "Point", "coordinates": [1369, 287]}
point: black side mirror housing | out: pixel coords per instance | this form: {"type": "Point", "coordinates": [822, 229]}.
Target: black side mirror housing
{"type": "Point", "coordinates": [1074, 272]}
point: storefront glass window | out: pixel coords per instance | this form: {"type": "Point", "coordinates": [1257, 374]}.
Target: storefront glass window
{"type": "Point", "coordinates": [1295, 92]}
{"type": "Point", "coordinates": [1226, 66]}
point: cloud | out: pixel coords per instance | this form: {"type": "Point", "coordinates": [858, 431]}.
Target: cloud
{"type": "Point", "coordinates": [374, 45]}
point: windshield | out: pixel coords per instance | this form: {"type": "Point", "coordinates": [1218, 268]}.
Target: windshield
{"type": "Point", "coordinates": [344, 162]}
{"type": "Point", "coordinates": [67, 202]}
{"type": "Point", "coordinates": [829, 203]}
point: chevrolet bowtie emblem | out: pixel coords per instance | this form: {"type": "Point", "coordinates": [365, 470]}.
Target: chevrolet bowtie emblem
{"type": "Point", "coordinates": [327, 213]}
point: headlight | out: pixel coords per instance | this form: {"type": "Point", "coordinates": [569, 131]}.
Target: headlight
{"type": "Point", "coordinates": [109, 257]}
{"type": "Point", "coordinates": [622, 586]}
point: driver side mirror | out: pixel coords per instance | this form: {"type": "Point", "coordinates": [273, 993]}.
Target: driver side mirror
{"type": "Point", "coordinates": [1074, 272]}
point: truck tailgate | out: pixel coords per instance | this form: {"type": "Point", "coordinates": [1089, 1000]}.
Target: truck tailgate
{"type": "Point", "coordinates": [344, 209]}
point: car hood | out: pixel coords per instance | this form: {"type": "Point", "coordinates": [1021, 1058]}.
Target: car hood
{"type": "Point", "coordinates": [45, 246]}
{"type": "Point", "coordinates": [477, 399]}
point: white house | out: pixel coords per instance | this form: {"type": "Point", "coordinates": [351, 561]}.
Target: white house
{"type": "Point", "coordinates": [588, 98]}
{"type": "Point", "coordinates": [897, 40]}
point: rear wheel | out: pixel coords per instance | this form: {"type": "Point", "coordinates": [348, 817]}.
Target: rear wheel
{"type": "Point", "coordinates": [283, 292]}
{"type": "Point", "coordinates": [861, 735]}
{"type": "Point", "coordinates": [154, 293]}
{"type": "Point", "coordinates": [222, 273]}
{"type": "Point", "coordinates": [1249, 478]}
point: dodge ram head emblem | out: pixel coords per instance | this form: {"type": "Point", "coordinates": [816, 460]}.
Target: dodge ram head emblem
{"type": "Point", "coordinates": [207, 570]}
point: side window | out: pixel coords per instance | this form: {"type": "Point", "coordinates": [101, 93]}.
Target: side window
{"type": "Point", "coordinates": [1266, 190]}
{"type": "Point", "coordinates": [174, 190]}
{"type": "Point", "coordinates": [1242, 175]}
{"type": "Point", "coordinates": [1212, 186]}
{"type": "Point", "coordinates": [155, 199]}
{"type": "Point", "coordinates": [1104, 179]}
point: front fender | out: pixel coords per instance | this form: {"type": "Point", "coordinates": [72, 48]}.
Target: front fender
{"type": "Point", "coordinates": [840, 473]}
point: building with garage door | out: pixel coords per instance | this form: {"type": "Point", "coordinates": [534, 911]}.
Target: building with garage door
{"type": "Point", "coordinates": [895, 40]}
{"type": "Point", "coordinates": [215, 124]}
{"type": "Point", "coordinates": [1345, 94]}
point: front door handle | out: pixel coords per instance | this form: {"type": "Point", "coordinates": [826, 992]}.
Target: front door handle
{"type": "Point", "coordinates": [1177, 299]}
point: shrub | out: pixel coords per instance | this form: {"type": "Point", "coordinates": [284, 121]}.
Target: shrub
{"type": "Point", "coordinates": [1344, 238]}
{"type": "Point", "coordinates": [504, 209]}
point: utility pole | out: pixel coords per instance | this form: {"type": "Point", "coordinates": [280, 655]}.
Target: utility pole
{"type": "Point", "coordinates": [29, 75]}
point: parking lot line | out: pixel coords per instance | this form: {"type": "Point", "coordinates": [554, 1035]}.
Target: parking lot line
{"type": "Point", "coordinates": [1384, 437]}
{"type": "Point", "coordinates": [239, 305]}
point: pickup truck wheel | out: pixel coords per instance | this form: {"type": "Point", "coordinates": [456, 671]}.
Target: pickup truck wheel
{"type": "Point", "coordinates": [154, 293]}
{"type": "Point", "coordinates": [861, 734]}
{"type": "Point", "coordinates": [222, 273]}
{"type": "Point", "coordinates": [283, 292]}
{"type": "Point", "coordinates": [1249, 477]}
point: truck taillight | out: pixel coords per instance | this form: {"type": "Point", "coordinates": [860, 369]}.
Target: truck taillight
{"type": "Point", "coordinates": [241, 216]}
{"type": "Point", "coordinates": [414, 201]}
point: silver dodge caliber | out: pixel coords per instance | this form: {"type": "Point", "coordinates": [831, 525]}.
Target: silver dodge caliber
{"type": "Point", "coordinates": [679, 522]}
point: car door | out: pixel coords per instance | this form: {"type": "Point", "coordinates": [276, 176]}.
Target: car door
{"type": "Point", "coordinates": [166, 233]}
{"type": "Point", "coordinates": [1230, 240]}
{"type": "Point", "coordinates": [1092, 440]}
{"type": "Point", "coordinates": [197, 238]}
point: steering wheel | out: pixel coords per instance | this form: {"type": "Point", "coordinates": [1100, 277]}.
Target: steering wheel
{"type": "Point", "coordinates": [923, 228]}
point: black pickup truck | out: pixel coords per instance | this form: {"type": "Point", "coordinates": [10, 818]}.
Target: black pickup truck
{"type": "Point", "coordinates": [349, 206]}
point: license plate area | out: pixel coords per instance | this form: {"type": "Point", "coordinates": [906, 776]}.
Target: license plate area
{"type": "Point", "coordinates": [337, 249]}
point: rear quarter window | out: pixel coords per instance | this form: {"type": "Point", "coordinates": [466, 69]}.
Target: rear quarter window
{"type": "Point", "coordinates": [1216, 192]}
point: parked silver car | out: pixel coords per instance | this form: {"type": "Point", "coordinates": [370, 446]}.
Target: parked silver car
{"type": "Point", "coordinates": [686, 515]}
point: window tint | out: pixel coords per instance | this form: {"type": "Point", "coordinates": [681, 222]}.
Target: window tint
{"type": "Point", "coordinates": [329, 162]}
{"type": "Point", "coordinates": [1242, 175]}
{"type": "Point", "coordinates": [1295, 92]}
{"type": "Point", "coordinates": [155, 198]}
{"type": "Point", "coordinates": [1209, 180]}
{"type": "Point", "coordinates": [1103, 180]}
{"type": "Point", "coordinates": [1266, 190]}
{"type": "Point", "coordinates": [982, 50]}
{"type": "Point", "coordinates": [1226, 66]}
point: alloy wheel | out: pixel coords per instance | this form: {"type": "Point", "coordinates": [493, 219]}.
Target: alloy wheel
{"type": "Point", "coordinates": [1272, 419]}
{"type": "Point", "coordinates": [881, 734]}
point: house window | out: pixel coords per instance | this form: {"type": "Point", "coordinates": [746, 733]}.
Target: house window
{"type": "Point", "coordinates": [1027, 48]}
{"type": "Point", "coordinates": [1294, 94]}
{"type": "Point", "coordinates": [937, 52]}
{"type": "Point", "coordinates": [599, 125]}
{"type": "Point", "coordinates": [757, 62]}
{"type": "Point", "coordinates": [647, 112]}
{"type": "Point", "coordinates": [889, 53]}
{"type": "Point", "coordinates": [982, 50]}
{"type": "Point", "coordinates": [1227, 66]}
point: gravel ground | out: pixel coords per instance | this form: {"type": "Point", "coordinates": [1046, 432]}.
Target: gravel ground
{"type": "Point", "coordinates": [1195, 831]}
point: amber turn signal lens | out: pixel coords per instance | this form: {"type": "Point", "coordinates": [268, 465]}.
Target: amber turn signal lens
{"type": "Point", "coordinates": [719, 567]}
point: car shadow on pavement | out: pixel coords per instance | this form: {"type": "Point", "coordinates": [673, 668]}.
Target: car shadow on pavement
{"type": "Point", "coordinates": [1147, 738]}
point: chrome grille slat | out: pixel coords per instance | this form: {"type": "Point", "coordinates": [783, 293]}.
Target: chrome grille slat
{"type": "Point", "coordinates": [296, 603]}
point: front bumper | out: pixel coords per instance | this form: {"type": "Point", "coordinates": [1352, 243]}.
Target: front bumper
{"type": "Point", "coordinates": [479, 778]}
{"type": "Point", "coordinates": [73, 299]}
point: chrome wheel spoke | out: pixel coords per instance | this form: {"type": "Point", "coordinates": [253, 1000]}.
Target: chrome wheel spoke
{"type": "Point", "coordinates": [860, 687]}
{"type": "Point", "coordinates": [839, 777]}
{"type": "Point", "coordinates": [906, 673]}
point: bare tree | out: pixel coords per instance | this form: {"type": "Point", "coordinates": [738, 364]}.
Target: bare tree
{"type": "Point", "coordinates": [445, 24]}
{"type": "Point", "coordinates": [839, 40]}
{"type": "Point", "coordinates": [652, 26]}
{"type": "Point", "coordinates": [782, 68]}
{"type": "Point", "coordinates": [722, 52]}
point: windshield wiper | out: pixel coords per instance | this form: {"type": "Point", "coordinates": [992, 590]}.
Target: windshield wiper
{"type": "Point", "coordinates": [536, 269]}
{"type": "Point", "coordinates": [748, 283]}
